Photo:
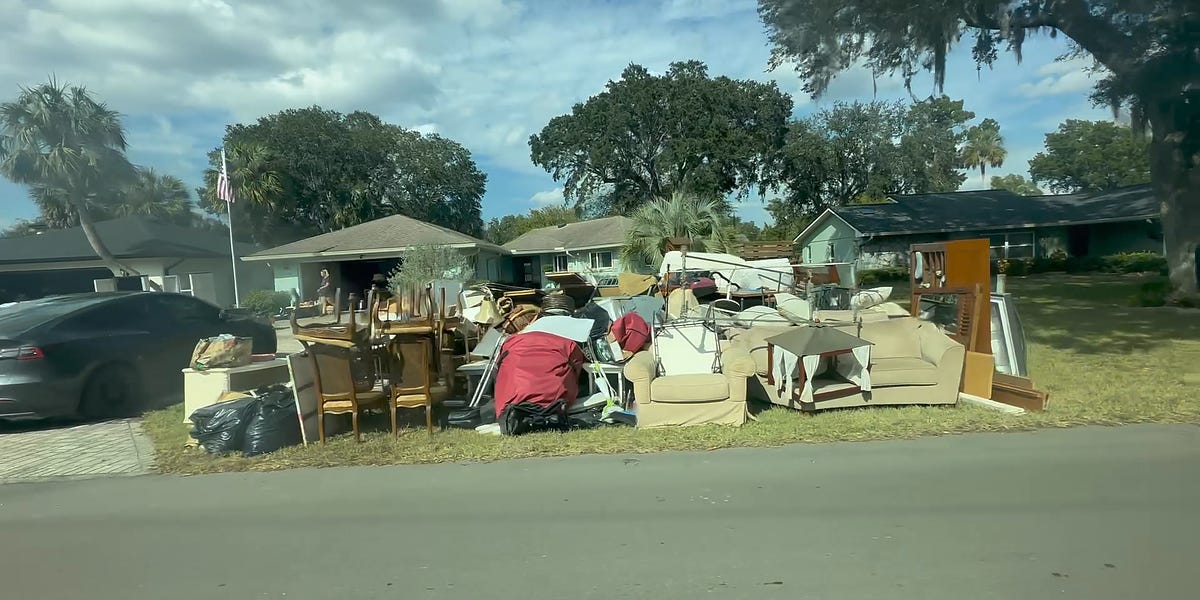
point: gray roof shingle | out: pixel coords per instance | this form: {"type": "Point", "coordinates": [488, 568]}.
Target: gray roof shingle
{"type": "Point", "coordinates": [997, 209]}
{"type": "Point", "coordinates": [594, 233]}
{"type": "Point", "coordinates": [128, 237]}
{"type": "Point", "coordinates": [396, 232]}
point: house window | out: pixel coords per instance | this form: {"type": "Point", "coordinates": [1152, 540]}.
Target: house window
{"type": "Point", "coordinates": [1016, 244]}
{"type": "Point", "coordinates": [602, 260]}
{"type": "Point", "coordinates": [562, 263]}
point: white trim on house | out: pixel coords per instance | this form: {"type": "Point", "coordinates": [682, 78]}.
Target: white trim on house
{"type": "Point", "coordinates": [615, 248]}
{"type": "Point", "coordinates": [820, 220]}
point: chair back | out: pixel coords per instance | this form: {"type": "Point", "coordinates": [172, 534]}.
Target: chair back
{"type": "Point", "coordinates": [411, 364]}
{"type": "Point", "coordinates": [340, 371]}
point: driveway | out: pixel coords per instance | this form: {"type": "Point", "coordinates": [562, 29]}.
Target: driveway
{"type": "Point", "coordinates": [1093, 513]}
{"type": "Point", "coordinates": [54, 450]}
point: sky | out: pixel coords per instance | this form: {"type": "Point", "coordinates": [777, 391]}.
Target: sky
{"type": "Point", "coordinates": [487, 73]}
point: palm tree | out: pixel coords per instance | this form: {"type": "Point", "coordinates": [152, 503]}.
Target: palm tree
{"type": "Point", "coordinates": [251, 172]}
{"type": "Point", "coordinates": [681, 216]}
{"type": "Point", "coordinates": [70, 149]}
{"type": "Point", "coordinates": [984, 148]}
{"type": "Point", "coordinates": [160, 197]}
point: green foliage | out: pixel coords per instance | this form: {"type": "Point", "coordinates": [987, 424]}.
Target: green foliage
{"type": "Point", "coordinates": [266, 302]}
{"type": "Point", "coordinates": [681, 216]}
{"type": "Point", "coordinates": [1092, 156]}
{"type": "Point", "coordinates": [984, 147]}
{"type": "Point", "coordinates": [871, 277]}
{"type": "Point", "coordinates": [421, 264]}
{"type": "Point", "coordinates": [646, 136]}
{"type": "Point", "coordinates": [863, 152]}
{"type": "Point", "coordinates": [1016, 184]}
{"type": "Point", "coordinates": [1151, 294]}
{"type": "Point", "coordinates": [163, 198]}
{"type": "Point", "coordinates": [1127, 263]}
{"type": "Point", "coordinates": [1135, 262]}
{"type": "Point", "coordinates": [68, 147]}
{"type": "Point", "coordinates": [510, 227]}
{"type": "Point", "coordinates": [305, 171]}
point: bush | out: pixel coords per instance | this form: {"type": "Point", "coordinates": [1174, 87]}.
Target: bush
{"type": "Point", "coordinates": [265, 303]}
{"type": "Point", "coordinates": [1084, 264]}
{"type": "Point", "coordinates": [883, 275]}
{"type": "Point", "coordinates": [421, 264]}
{"type": "Point", "coordinates": [1135, 262]}
{"type": "Point", "coordinates": [1152, 293]}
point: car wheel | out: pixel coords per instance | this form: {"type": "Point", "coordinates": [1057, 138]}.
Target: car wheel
{"type": "Point", "coordinates": [112, 391]}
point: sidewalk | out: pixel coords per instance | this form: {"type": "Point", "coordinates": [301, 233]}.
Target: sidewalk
{"type": "Point", "coordinates": [48, 451]}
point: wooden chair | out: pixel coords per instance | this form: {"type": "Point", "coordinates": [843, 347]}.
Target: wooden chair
{"type": "Point", "coordinates": [412, 378]}
{"type": "Point", "coordinates": [339, 389]}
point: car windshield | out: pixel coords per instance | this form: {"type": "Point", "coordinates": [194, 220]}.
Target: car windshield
{"type": "Point", "coordinates": [19, 317]}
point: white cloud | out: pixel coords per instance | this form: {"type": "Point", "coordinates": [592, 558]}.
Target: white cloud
{"type": "Point", "coordinates": [1062, 77]}
{"type": "Point", "coordinates": [548, 198]}
{"type": "Point", "coordinates": [487, 73]}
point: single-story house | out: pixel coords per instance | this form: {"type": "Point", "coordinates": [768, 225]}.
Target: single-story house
{"type": "Point", "coordinates": [356, 254]}
{"type": "Point", "coordinates": [592, 247]}
{"type": "Point", "coordinates": [61, 261]}
{"type": "Point", "coordinates": [1096, 224]}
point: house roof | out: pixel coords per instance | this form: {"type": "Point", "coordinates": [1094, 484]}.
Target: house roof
{"type": "Point", "coordinates": [382, 236]}
{"type": "Point", "coordinates": [584, 235]}
{"type": "Point", "coordinates": [126, 238]}
{"type": "Point", "coordinates": [997, 209]}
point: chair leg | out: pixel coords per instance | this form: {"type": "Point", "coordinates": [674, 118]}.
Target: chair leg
{"type": "Point", "coordinates": [354, 424]}
{"type": "Point", "coordinates": [321, 426]}
{"type": "Point", "coordinates": [429, 417]}
{"type": "Point", "coordinates": [392, 409]}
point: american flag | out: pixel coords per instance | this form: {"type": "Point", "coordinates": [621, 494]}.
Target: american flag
{"type": "Point", "coordinates": [224, 187]}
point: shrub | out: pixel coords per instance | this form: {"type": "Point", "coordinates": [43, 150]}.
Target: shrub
{"type": "Point", "coordinates": [1152, 293]}
{"type": "Point", "coordinates": [1135, 262]}
{"type": "Point", "coordinates": [421, 264]}
{"type": "Point", "coordinates": [265, 303]}
{"type": "Point", "coordinates": [882, 275]}
{"type": "Point", "coordinates": [1084, 264]}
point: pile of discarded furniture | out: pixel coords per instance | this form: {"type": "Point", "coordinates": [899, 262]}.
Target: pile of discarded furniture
{"type": "Point", "coordinates": [697, 343]}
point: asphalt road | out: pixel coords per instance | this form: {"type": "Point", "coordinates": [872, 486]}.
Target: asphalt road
{"type": "Point", "coordinates": [1083, 513]}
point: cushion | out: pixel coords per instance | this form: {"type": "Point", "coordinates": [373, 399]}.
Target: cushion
{"type": "Point", "coordinates": [870, 297]}
{"type": "Point", "coordinates": [892, 338]}
{"type": "Point", "coordinates": [686, 349]}
{"type": "Point", "coordinates": [753, 341]}
{"type": "Point", "coordinates": [902, 370]}
{"type": "Point", "coordinates": [686, 389]}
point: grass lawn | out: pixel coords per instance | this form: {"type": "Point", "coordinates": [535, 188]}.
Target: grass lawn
{"type": "Point", "coordinates": [1101, 361]}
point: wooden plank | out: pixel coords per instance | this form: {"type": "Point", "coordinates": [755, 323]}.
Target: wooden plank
{"type": "Point", "coordinates": [978, 371]}
{"type": "Point", "coordinates": [1018, 391]}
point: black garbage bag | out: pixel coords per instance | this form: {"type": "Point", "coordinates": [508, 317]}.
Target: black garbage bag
{"type": "Point", "coordinates": [527, 417]}
{"type": "Point", "coordinates": [221, 428]}
{"type": "Point", "coordinates": [274, 422]}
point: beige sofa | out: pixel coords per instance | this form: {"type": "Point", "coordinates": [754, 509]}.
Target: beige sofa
{"type": "Point", "coordinates": [680, 400]}
{"type": "Point", "coordinates": [912, 362]}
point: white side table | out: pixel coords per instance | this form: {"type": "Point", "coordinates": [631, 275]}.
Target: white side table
{"type": "Point", "coordinates": [203, 388]}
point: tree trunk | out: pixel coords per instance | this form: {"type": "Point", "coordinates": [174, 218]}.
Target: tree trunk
{"type": "Point", "coordinates": [1175, 171]}
{"type": "Point", "coordinates": [106, 256]}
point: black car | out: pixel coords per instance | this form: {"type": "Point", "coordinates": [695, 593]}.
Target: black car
{"type": "Point", "coordinates": [102, 354]}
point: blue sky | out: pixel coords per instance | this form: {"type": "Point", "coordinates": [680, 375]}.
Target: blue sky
{"type": "Point", "coordinates": [487, 73]}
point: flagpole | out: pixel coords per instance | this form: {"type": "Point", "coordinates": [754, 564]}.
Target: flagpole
{"type": "Point", "coordinates": [237, 298]}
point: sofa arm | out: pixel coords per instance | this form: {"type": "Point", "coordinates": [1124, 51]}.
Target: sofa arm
{"type": "Point", "coordinates": [935, 345]}
{"type": "Point", "coordinates": [738, 367]}
{"type": "Point", "coordinates": [640, 371]}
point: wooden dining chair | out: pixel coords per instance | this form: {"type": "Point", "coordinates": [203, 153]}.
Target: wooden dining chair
{"type": "Point", "coordinates": [412, 378]}
{"type": "Point", "coordinates": [341, 388]}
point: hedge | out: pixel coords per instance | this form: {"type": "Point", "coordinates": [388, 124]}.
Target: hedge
{"type": "Point", "coordinates": [1127, 262]}
{"type": "Point", "coordinates": [267, 303]}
